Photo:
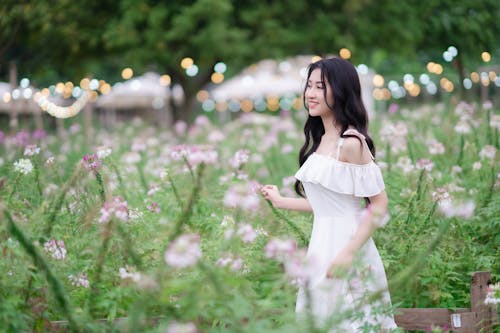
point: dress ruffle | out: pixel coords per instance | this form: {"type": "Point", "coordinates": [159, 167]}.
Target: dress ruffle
{"type": "Point", "coordinates": [360, 180]}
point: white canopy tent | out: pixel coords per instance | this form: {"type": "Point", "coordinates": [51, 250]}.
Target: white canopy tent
{"type": "Point", "coordinates": [142, 92]}
{"type": "Point", "coordinates": [279, 78]}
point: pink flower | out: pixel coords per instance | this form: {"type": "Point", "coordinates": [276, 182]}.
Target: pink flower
{"type": "Point", "coordinates": [453, 209]}
{"type": "Point", "coordinates": [462, 127]}
{"type": "Point", "coordinates": [393, 108]}
{"type": "Point", "coordinates": [153, 188]}
{"type": "Point", "coordinates": [240, 158]}
{"type": "Point", "coordinates": [242, 196]}
{"type": "Point", "coordinates": [436, 148]}
{"type": "Point", "coordinates": [280, 249]}
{"type": "Point", "coordinates": [185, 251]}
{"type": "Point", "coordinates": [91, 162]}
{"type": "Point", "coordinates": [38, 134]}
{"type": "Point", "coordinates": [153, 207]}
{"type": "Point", "coordinates": [175, 327]}
{"type": "Point", "coordinates": [138, 145]}
{"type": "Point", "coordinates": [79, 280]}
{"type": "Point", "coordinates": [56, 248]}
{"type": "Point", "coordinates": [229, 260]}
{"type": "Point", "coordinates": [301, 268]}
{"type": "Point", "coordinates": [180, 127]}
{"type": "Point", "coordinates": [287, 148]}
{"type": "Point", "coordinates": [488, 152]}
{"type": "Point", "coordinates": [216, 136]}
{"type": "Point", "coordinates": [22, 138]}
{"type": "Point", "coordinates": [425, 164]}
{"type": "Point", "coordinates": [194, 155]}
{"type": "Point", "coordinates": [247, 233]}
{"type": "Point", "coordinates": [202, 121]}
{"type": "Point", "coordinates": [31, 150]}
{"type": "Point", "coordinates": [117, 208]}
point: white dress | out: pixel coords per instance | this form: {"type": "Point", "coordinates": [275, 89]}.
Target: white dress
{"type": "Point", "coordinates": [335, 190]}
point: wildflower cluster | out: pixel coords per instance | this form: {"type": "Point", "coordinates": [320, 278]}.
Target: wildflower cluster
{"type": "Point", "coordinates": [242, 195]}
{"type": "Point", "coordinates": [117, 208]}
{"type": "Point", "coordinates": [79, 280]}
{"type": "Point", "coordinates": [23, 166]}
{"type": "Point", "coordinates": [185, 251]}
{"type": "Point", "coordinates": [91, 162]}
{"type": "Point", "coordinates": [56, 249]}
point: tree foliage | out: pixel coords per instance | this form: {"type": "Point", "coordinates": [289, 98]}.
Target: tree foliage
{"type": "Point", "coordinates": [61, 39]}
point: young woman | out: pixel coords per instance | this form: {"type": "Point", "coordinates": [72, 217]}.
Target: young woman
{"type": "Point", "coordinates": [337, 174]}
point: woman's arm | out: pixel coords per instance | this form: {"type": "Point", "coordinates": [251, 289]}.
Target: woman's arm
{"type": "Point", "coordinates": [375, 213]}
{"type": "Point", "coordinates": [271, 193]}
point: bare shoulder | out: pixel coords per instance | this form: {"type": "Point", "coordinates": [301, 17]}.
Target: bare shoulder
{"type": "Point", "coordinates": [354, 151]}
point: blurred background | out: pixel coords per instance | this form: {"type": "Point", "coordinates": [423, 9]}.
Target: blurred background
{"type": "Point", "coordinates": [172, 60]}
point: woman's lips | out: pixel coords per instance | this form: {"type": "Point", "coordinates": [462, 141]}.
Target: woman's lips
{"type": "Point", "coordinates": [312, 104]}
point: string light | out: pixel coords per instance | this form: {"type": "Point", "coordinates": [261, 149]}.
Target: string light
{"type": "Point", "coordinates": [315, 58]}
{"type": "Point", "coordinates": [165, 80]}
{"type": "Point", "coordinates": [345, 53]}
{"type": "Point", "coordinates": [127, 73]}
{"type": "Point", "coordinates": [486, 56]}
{"type": "Point", "coordinates": [217, 78]}
{"type": "Point", "coordinates": [187, 62]}
{"type": "Point", "coordinates": [64, 111]}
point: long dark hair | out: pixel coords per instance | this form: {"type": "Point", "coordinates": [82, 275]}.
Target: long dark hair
{"type": "Point", "coordinates": [348, 108]}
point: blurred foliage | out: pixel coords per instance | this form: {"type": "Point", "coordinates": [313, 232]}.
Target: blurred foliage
{"type": "Point", "coordinates": [65, 40]}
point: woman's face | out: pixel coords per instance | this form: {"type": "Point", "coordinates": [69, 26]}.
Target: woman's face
{"type": "Point", "coordinates": [315, 96]}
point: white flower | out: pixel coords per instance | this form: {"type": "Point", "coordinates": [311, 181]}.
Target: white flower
{"type": "Point", "coordinates": [462, 127]}
{"type": "Point", "coordinates": [103, 152]}
{"type": "Point", "coordinates": [456, 169]}
{"type": "Point", "coordinates": [452, 209]}
{"type": "Point", "coordinates": [23, 166]}
{"type": "Point", "coordinates": [56, 248]}
{"type": "Point", "coordinates": [174, 327]}
{"type": "Point", "coordinates": [405, 164]}
{"type": "Point", "coordinates": [488, 152]}
{"type": "Point", "coordinates": [476, 165]}
{"type": "Point", "coordinates": [79, 280]}
{"type": "Point", "coordinates": [436, 148]}
{"type": "Point", "coordinates": [495, 121]}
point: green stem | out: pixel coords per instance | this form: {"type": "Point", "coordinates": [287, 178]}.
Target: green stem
{"type": "Point", "coordinates": [142, 177]}
{"type": "Point", "coordinates": [188, 209]}
{"type": "Point", "coordinates": [190, 168]}
{"type": "Point", "coordinates": [39, 261]}
{"type": "Point", "coordinates": [419, 184]}
{"type": "Point", "coordinates": [58, 203]}
{"type": "Point", "coordinates": [119, 177]}
{"type": "Point", "coordinates": [174, 189]}
{"type": "Point", "coordinates": [99, 264]}
{"type": "Point", "coordinates": [461, 152]}
{"type": "Point", "coordinates": [291, 224]}
{"type": "Point", "coordinates": [102, 191]}
{"type": "Point", "coordinates": [37, 177]}
{"type": "Point", "coordinates": [16, 182]}
{"type": "Point", "coordinates": [128, 246]}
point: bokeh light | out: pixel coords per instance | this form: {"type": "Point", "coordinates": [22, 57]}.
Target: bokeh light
{"type": "Point", "coordinates": [127, 73]}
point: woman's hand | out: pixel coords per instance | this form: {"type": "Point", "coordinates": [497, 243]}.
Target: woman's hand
{"type": "Point", "coordinates": [271, 193]}
{"type": "Point", "coordinates": [340, 265]}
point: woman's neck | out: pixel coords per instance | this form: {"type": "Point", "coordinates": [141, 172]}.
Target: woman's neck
{"type": "Point", "coordinates": [332, 130]}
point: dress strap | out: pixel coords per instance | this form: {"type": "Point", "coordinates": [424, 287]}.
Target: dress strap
{"type": "Point", "coordinates": [339, 145]}
{"type": "Point", "coordinates": [354, 132]}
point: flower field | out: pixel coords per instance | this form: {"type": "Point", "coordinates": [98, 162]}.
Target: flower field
{"type": "Point", "coordinates": [149, 229]}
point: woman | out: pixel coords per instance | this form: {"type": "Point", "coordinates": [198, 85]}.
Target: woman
{"type": "Point", "coordinates": [337, 172]}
